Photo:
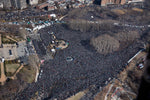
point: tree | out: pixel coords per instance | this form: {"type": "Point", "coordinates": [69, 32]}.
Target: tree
{"type": "Point", "coordinates": [127, 36]}
{"type": "Point", "coordinates": [22, 33]}
{"type": "Point", "coordinates": [85, 26]}
{"type": "Point", "coordinates": [33, 61]}
{"type": "Point", "coordinates": [105, 44]}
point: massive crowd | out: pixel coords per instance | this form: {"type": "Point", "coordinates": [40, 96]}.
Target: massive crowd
{"type": "Point", "coordinates": [61, 78]}
{"type": "Point", "coordinates": [16, 15]}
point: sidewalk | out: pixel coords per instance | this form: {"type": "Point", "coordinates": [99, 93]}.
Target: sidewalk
{"type": "Point", "coordinates": [3, 76]}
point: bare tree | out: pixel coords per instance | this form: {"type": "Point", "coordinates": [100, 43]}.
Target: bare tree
{"type": "Point", "coordinates": [57, 5]}
{"type": "Point", "coordinates": [33, 61]}
{"type": "Point", "coordinates": [22, 33]}
{"type": "Point", "coordinates": [85, 26]}
{"type": "Point", "coordinates": [127, 36]}
{"type": "Point", "coordinates": [105, 44]}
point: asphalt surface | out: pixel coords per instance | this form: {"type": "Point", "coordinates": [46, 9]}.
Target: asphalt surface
{"type": "Point", "coordinates": [61, 79]}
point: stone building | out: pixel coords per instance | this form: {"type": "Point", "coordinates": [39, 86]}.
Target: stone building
{"type": "Point", "coordinates": [106, 2]}
{"type": "Point", "coordinates": [6, 3]}
{"type": "Point", "coordinates": [32, 2]}
{"type": "Point", "coordinates": [17, 4]}
{"type": "Point", "coordinates": [21, 4]}
{"type": "Point", "coordinates": [1, 5]}
{"type": "Point", "coordinates": [123, 1]}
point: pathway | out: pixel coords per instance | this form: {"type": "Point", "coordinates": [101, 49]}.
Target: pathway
{"type": "Point", "coordinates": [3, 76]}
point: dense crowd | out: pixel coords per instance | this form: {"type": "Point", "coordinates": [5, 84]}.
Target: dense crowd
{"type": "Point", "coordinates": [9, 16]}
{"type": "Point", "coordinates": [61, 79]}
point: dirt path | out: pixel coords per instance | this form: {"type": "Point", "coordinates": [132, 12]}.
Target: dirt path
{"type": "Point", "coordinates": [11, 38]}
{"type": "Point", "coordinates": [3, 76]}
{"type": "Point", "coordinates": [13, 77]}
{"type": "Point", "coordinates": [62, 17]}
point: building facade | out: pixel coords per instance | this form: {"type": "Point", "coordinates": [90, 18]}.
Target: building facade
{"type": "Point", "coordinates": [21, 4]}
{"type": "Point", "coordinates": [106, 2]}
{"type": "Point", "coordinates": [33, 2]}
{"type": "Point", "coordinates": [17, 4]}
{"type": "Point", "coordinates": [1, 5]}
{"type": "Point", "coordinates": [122, 2]}
{"type": "Point", "coordinates": [6, 3]}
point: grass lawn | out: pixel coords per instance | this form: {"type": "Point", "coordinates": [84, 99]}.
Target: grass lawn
{"type": "Point", "coordinates": [11, 68]}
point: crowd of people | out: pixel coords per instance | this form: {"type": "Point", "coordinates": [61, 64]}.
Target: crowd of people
{"type": "Point", "coordinates": [61, 79]}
